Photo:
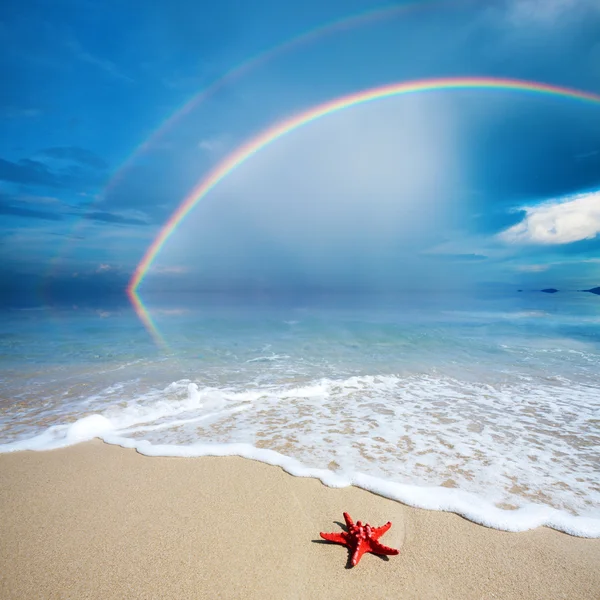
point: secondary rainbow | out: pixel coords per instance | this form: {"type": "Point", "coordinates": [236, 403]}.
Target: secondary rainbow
{"type": "Point", "coordinates": [340, 25]}
{"type": "Point", "coordinates": [250, 148]}
{"type": "Point", "coordinates": [345, 23]}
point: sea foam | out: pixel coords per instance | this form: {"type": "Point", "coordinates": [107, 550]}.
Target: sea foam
{"type": "Point", "coordinates": [523, 444]}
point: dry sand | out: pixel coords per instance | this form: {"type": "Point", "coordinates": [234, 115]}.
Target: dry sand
{"type": "Point", "coordinates": [95, 521]}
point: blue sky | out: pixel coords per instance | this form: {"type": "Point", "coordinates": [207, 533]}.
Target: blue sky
{"type": "Point", "coordinates": [445, 190]}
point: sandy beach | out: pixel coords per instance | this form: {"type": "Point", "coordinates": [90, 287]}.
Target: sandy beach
{"type": "Point", "coordinates": [97, 521]}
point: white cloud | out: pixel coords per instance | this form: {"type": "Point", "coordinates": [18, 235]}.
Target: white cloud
{"type": "Point", "coordinates": [171, 270]}
{"type": "Point", "coordinates": [532, 268]}
{"type": "Point", "coordinates": [15, 112]}
{"type": "Point", "coordinates": [547, 11]}
{"type": "Point", "coordinates": [103, 268]}
{"type": "Point", "coordinates": [585, 155]}
{"type": "Point", "coordinates": [31, 199]}
{"type": "Point", "coordinates": [214, 145]}
{"type": "Point", "coordinates": [557, 222]}
{"type": "Point", "coordinates": [171, 311]}
{"type": "Point", "coordinates": [105, 65]}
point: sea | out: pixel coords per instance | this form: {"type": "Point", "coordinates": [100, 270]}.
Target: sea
{"type": "Point", "coordinates": [485, 405]}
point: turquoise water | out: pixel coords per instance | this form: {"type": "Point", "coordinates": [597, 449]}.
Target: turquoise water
{"type": "Point", "coordinates": [443, 402]}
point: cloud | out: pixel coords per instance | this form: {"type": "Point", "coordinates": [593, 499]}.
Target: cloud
{"type": "Point", "coordinates": [585, 155]}
{"type": "Point", "coordinates": [26, 207]}
{"type": "Point", "coordinates": [27, 171]}
{"type": "Point", "coordinates": [16, 112]}
{"type": "Point", "coordinates": [86, 285]}
{"type": "Point", "coordinates": [215, 144]}
{"type": "Point", "coordinates": [44, 200]}
{"type": "Point", "coordinates": [75, 154]}
{"type": "Point", "coordinates": [170, 270]}
{"type": "Point", "coordinates": [532, 268]}
{"type": "Point", "coordinates": [454, 257]}
{"type": "Point", "coordinates": [105, 65]}
{"type": "Point", "coordinates": [104, 267]}
{"type": "Point", "coordinates": [33, 207]}
{"type": "Point", "coordinates": [30, 213]}
{"type": "Point", "coordinates": [557, 222]}
{"type": "Point", "coordinates": [109, 217]}
{"type": "Point", "coordinates": [74, 175]}
{"type": "Point", "coordinates": [171, 311]}
{"type": "Point", "coordinates": [548, 12]}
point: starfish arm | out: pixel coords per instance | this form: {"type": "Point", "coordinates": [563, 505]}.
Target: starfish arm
{"type": "Point", "coordinates": [337, 537]}
{"type": "Point", "coordinates": [379, 548]}
{"type": "Point", "coordinates": [379, 531]}
{"type": "Point", "coordinates": [360, 549]}
{"type": "Point", "coordinates": [348, 519]}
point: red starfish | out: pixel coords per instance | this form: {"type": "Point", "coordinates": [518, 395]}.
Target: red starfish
{"type": "Point", "coordinates": [360, 539]}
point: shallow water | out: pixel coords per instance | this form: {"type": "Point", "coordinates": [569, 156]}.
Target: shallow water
{"type": "Point", "coordinates": [486, 406]}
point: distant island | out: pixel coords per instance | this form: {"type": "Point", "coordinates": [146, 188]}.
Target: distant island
{"type": "Point", "coordinates": [595, 290]}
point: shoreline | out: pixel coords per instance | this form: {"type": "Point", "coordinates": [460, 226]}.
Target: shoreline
{"type": "Point", "coordinates": [99, 521]}
{"type": "Point", "coordinates": [502, 516]}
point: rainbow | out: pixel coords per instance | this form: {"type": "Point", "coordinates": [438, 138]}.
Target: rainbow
{"type": "Point", "coordinates": [277, 131]}
{"type": "Point", "coordinates": [343, 24]}
{"type": "Point", "coordinates": [145, 317]}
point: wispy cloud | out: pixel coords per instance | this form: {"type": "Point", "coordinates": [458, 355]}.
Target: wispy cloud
{"type": "Point", "coordinates": [76, 173]}
{"type": "Point", "coordinates": [214, 145]}
{"type": "Point", "coordinates": [75, 154]}
{"type": "Point", "coordinates": [460, 257]}
{"type": "Point", "coordinates": [115, 218]}
{"type": "Point", "coordinates": [547, 11]}
{"type": "Point", "coordinates": [171, 311]}
{"type": "Point", "coordinates": [16, 112]}
{"type": "Point", "coordinates": [29, 213]}
{"type": "Point", "coordinates": [171, 270]}
{"type": "Point", "coordinates": [43, 200]}
{"type": "Point", "coordinates": [103, 267]}
{"type": "Point", "coordinates": [101, 63]}
{"type": "Point", "coordinates": [557, 222]}
{"type": "Point", "coordinates": [585, 155]}
{"type": "Point", "coordinates": [533, 268]}
{"type": "Point", "coordinates": [52, 209]}
{"type": "Point", "coordinates": [27, 171]}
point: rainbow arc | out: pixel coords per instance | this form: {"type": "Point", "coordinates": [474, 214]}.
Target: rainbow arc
{"type": "Point", "coordinates": [244, 152]}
